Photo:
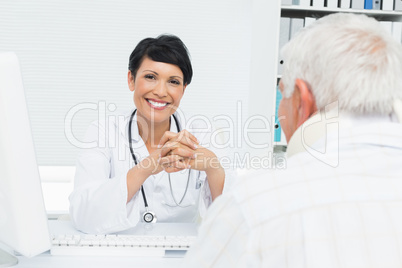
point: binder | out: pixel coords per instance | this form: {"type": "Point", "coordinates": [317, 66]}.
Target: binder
{"type": "Point", "coordinates": [368, 4]}
{"type": "Point", "coordinates": [398, 5]}
{"type": "Point", "coordinates": [277, 126]}
{"type": "Point", "coordinates": [358, 4]}
{"type": "Point", "coordinates": [387, 4]}
{"type": "Point", "coordinates": [345, 3]}
{"type": "Point", "coordinates": [296, 25]}
{"type": "Point", "coordinates": [284, 36]}
{"type": "Point", "coordinates": [397, 31]}
{"type": "Point", "coordinates": [318, 3]}
{"type": "Point", "coordinates": [288, 29]}
{"type": "Point", "coordinates": [387, 25]}
{"type": "Point", "coordinates": [304, 3]}
{"type": "Point", "coordinates": [377, 4]}
{"type": "Point", "coordinates": [332, 3]}
{"type": "Point", "coordinates": [286, 2]}
{"type": "Point", "coordinates": [308, 21]}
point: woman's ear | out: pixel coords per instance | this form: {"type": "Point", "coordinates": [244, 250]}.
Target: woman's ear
{"type": "Point", "coordinates": [130, 81]}
{"type": "Point", "coordinates": [307, 106]}
{"type": "Point", "coordinates": [184, 88]}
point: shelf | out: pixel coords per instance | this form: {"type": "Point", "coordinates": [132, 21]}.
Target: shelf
{"type": "Point", "coordinates": [280, 143]}
{"type": "Point", "coordinates": [299, 11]}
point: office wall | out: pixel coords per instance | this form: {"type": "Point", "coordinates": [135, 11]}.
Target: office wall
{"type": "Point", "coordinates": [76, 52]}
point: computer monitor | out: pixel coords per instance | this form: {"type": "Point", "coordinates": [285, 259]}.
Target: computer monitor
{"type": "Point", "coordinates": [23, 220]}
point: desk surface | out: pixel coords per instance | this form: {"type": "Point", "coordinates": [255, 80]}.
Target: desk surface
{"type": "Point", "coordinates": [189, 229]}
{"type": "Point", "coordinates": [64, 227]}
{"type": "Point", "coordinates": [47, 260]}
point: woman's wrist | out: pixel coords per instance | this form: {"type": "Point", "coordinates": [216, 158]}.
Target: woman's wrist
{"type": "Point", "coordinates": [214, 170]}
{"type": "Point", "coordinates": [150, 165]}
{"type": "Point", "coordinates": [207, 160]}
{"type": "Point", "coordinates": [138, 173]}
{"type": "Point", "coordinates": [216, 177]}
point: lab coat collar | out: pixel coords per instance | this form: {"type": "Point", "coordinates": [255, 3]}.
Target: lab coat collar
{"type": "Point", "coordinates": [123, 127]}
{"type": "Point", "coordinates": [372, 129]}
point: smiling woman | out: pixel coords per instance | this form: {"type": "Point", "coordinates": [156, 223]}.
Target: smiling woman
{"type": "Point", "coordinates": [169, 175]}
{"type": "Point", "coordinates": [158, 89]}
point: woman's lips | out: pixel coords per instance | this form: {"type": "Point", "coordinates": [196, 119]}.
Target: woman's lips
{"type": "Point", "coordinates": [157, 104]}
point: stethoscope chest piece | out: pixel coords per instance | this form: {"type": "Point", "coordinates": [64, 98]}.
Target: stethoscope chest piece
{"type": "Point", "coordinates": [149, 217]}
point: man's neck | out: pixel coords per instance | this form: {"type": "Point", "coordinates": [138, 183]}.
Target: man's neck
{"type": "Point", "coordinates": [312, 130]}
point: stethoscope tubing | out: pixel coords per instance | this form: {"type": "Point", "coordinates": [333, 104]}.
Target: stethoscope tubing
{"type": "Point", "coordinates": [149, 213]}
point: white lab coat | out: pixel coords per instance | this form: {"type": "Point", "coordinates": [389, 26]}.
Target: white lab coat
{"type": "Point", "coordinates": [98, 203]}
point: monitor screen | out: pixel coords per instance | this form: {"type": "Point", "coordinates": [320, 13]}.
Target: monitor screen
{"type": "Point", "coordinates": [23, 220]}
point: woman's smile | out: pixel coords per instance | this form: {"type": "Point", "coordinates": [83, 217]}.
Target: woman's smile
{"type": "Point", "coordinates": [157, 104]}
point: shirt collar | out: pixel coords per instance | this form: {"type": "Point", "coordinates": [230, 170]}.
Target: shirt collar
{"type": "Point", "coordinates": [379, 130]}
{"type": "Point", "coordinates": [301, 138]}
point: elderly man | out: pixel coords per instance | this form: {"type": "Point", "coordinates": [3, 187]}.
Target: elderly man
{"type": "Point", "coordinates": [339, 202]}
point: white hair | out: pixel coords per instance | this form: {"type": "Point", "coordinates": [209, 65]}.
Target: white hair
{"type": "Point", "coordinates": [347, 58]}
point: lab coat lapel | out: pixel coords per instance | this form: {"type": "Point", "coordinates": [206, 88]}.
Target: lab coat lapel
{"type": "Point", "coordinates": [138, 145]}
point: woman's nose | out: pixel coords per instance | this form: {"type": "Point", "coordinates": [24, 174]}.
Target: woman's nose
{"type": "Point", "coordinates": [160, 90]}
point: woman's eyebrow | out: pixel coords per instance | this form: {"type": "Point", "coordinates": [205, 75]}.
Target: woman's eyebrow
{"type": "Point", "coordinates": [150, 71]}
{"type": "Point", "coordinates": [176, 76]}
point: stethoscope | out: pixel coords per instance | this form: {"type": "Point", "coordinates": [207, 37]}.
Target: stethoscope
{"type": "Point", "coordinates": [150, 216]}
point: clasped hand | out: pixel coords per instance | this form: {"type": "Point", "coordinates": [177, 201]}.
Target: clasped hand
{"type": "Point", "coordinates": [175, 152]}
{"type": "Point", "coordinates": [178, 151]}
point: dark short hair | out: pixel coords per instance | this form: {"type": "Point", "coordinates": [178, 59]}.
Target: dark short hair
{"type": "Point", "coordinates": [164, 48]}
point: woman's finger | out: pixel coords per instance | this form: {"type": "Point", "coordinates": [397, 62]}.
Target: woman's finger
{"type": "Point", "coordinates": [174, 166]}
{"type": "Point", "coordinates": [182, 151]}
{"type": "Point", "coordinates": [183, 137]}
{"type": "Point", "coordinates": [177, 149]}
{"type": "Point", "coordinates": [168, 135]}
{"type": "Point", "coordinates": [169, 160]}
{"type": "Point", "coordinates": [172, 169]}
{"type": "Point", "coordinates": [169, 146]}
{"type": "Point", "coordinates": [190, 138]}
{"type": "Point", "coordinates": [180, 165]}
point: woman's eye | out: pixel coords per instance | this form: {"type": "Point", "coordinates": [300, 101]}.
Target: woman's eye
{"type": "Point", "coordinates": [175, 82]}
{"type": "Point", "coordinates": [149, 76]}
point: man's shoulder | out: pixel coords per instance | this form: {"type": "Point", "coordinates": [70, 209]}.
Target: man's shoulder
{"type": "Point", "coordinates": [255, 192]}
{"type": "Point", "coordinates": [251, 182]}
{"type": "Point", "coordinates": [266, 194]}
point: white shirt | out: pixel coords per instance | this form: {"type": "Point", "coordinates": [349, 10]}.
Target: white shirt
{"type": "Point", "coordinates": [98, 202]}
{"type": "Point", "coordinates": [347, 213]}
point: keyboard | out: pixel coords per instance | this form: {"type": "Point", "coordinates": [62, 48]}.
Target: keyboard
{"type": "Point", "coordinates": [144, 240]}
{"type": "Point", "coordinates": [121, 245]}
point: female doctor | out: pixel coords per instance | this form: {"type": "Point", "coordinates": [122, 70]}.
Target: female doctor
{"type": "Point", "coordinates": [148, 168]}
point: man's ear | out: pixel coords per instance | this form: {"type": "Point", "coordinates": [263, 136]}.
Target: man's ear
{"type": "Point", "coordinates": [307, 106]}
{"type": "Point", "coordinates": [130, 80]}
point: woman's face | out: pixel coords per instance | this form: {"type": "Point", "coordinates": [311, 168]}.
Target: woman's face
{"type": "Point", "coordinates": [158, 88]}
